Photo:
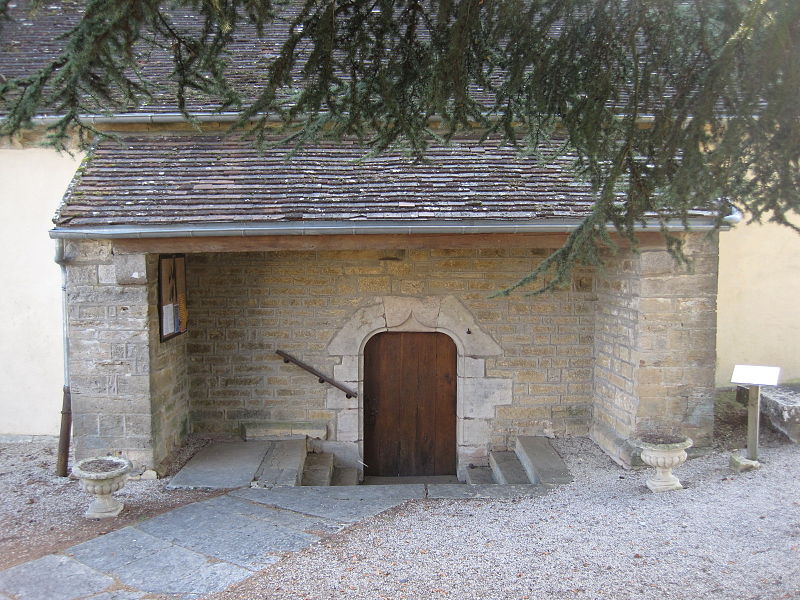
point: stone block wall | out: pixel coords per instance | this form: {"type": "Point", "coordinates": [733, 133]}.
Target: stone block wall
{"type": "Point", "coordinates": [109, 361]}
{"type": "Point", "coordinates": [169, 379]}
{"type": "Point", "coordinates": [129, 390]}
{"type": "Point", "coordinates": [616, 329]}
{"type": "Point", "coordinates": [655, 346]}
{"type": "Point", "coordinates": [245, 306]}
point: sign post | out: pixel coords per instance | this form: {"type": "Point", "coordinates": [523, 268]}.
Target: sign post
{"type": "Point", "coordinates": [753, 377]}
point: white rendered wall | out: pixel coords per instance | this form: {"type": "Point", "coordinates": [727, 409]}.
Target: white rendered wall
{"type": "Point", "coordinates": [32, 182]}
{"type": "Point", "coordinates": [758, 314]}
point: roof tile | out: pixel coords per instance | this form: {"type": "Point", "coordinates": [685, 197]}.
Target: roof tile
{"type": "Point", "coordinates": [147, 180]}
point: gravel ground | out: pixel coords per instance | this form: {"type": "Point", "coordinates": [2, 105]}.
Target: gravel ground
{"type": "Point", "coordinates": [41, 513]}
{"type": "Point", "coordinates": [603, 536]}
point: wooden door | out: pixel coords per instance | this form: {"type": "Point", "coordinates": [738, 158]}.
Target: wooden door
{"type": "Point", "coordinates": [410, 404]}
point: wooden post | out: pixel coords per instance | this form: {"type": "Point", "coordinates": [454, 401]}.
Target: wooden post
{"type": "Point", "coordinates": [753, 376]}
{"type": "Point", "coordinates": [753, 414]}
{"type": "Point", "coordinates": [63, 439]}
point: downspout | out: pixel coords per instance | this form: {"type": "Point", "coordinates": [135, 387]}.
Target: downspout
{"type": "Point", "coordinates": [66, 404]}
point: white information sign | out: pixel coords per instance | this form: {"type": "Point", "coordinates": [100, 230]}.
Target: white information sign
{"type": "Point", "coordinates": [168, 319]}
{"type": "Point", "coordinates": [755, 375]}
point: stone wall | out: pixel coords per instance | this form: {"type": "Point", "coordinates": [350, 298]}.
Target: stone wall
{"type": "Point", "coordinates": [624, 351]}
{"type": "Point", "coordinates": [129, 389]}
{"type": "Point", "coordinates": [616, 329]}
{"type": "Point", "coordinates": [654, 346]}
{"type": "Point", "coordinates": [108, 317]}
{"type": "Point", "coordinates": [169, 382]}
{"type": "Point", "coordinates": [245, 306]}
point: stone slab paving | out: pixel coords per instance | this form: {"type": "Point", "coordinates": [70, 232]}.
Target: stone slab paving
{"type": "Point", "coordinates": [118, 548]}
{"type": "Point", "coordinates": [238, 531]}
{"type": "Point", "coordinates": [488, 490]}
{"type": "Point", "coordinates": [119, 595]}
{"type": "Point", "coordinates": [53, 577]}
{"type": "Point", "coordinates": [150, 564]}
{"type": "Point", "coordinates": [221, 465]}
{"type": "Point", "coordinates": [346, 504]}
{"type": "Point", "coordinates": [205, 547]}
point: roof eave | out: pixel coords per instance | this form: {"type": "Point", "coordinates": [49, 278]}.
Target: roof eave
{"type": "Point", "coordinates": [187, 230]}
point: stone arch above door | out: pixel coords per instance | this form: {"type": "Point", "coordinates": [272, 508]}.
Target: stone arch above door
{"type": "Point", "coordinates": [401, 313]}
{"type": "Point", "coordinates": [478, 395]}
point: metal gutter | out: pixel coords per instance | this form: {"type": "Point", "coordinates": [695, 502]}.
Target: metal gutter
{"type": "Point", "coordinates": [177, 117]}
{"type": "Point", "coordinates": [189, 230]}
{"type": "Point", "coordinates": [143, 118]}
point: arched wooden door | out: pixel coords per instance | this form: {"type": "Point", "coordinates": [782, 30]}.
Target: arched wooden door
{"type": "Point", "coordinates": [410, 404]}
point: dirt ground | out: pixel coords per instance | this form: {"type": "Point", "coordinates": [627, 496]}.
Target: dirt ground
{"type": "Point", "coordinates": [730, 424]}
{"type": "Point", "coordinates": [41, 513]}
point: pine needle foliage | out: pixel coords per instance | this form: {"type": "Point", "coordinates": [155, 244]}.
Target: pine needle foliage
{"type": "Point", "coordinates": [671, 106]}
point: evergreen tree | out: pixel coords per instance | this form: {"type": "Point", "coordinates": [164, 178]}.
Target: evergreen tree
{"type": "Point", "coordinates": [670, 105]}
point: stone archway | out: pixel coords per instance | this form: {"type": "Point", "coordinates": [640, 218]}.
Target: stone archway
{"type": "Point", "coordinates": [477, 394]}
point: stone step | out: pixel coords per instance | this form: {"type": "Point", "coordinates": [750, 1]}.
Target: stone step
{"type": "Point", "coordinates": [479, 476]}
{"type": "Point", "coordinates": [282, 465]}
{"type": "Point", "coordinates": [345, 476]}
{"type": "Point", "coordinates": [271, 430]}
{"type": "Point", "coordinates": [540, 461]}
{"type": "Point", "coordinates": [221, 465]}
{"type": "Point", "coordinates": [507, 469]}
{"type": "Point", "coordinates": [318, 469]}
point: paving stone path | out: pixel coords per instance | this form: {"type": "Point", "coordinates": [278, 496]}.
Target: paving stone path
{"type": "Point", "coordinates": [205, 547]}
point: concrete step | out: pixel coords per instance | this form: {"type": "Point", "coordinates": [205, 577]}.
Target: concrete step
{"type": "Point", "coordinates": [507, 469]}
{"type": "Point", "coordinates": [271, 430]}
{"type": "Point", "coordinates": [345, 476]}
{"type": "Point", "coordinates": [541, 462]}
{"type": "Point", "coordinates": [480, 476]}
{"type": "Point", "coordinates": [282, 465]}
{"type": "Point", "coordinates": [318, 469]}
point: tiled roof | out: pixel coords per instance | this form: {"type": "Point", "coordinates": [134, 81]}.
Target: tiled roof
{"type": "Point", "coordinates": [30, 41]}
{"type": "Point", "coordinates": [196, 180]}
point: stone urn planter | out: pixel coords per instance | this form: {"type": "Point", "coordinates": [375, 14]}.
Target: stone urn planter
{"type": "Point", "coordinates": [664, 454]}
{"type": "Point", "coordinates": [101, 476]}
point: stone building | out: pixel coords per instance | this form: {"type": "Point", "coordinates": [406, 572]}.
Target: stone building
{"type": "Point", "coordinates": [320, 256]}
{"type": "Point", "coordinates": [378, 274]}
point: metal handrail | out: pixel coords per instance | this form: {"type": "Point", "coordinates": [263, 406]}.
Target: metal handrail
{"type": "Point", "coordinates": [288, 358]}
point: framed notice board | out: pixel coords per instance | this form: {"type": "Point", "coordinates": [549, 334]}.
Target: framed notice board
{"type": "Point", "coordinates": [172, 310]}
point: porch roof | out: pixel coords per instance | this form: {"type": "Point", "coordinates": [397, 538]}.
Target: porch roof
{"type": "Point", "coordinates": [202, 181]}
